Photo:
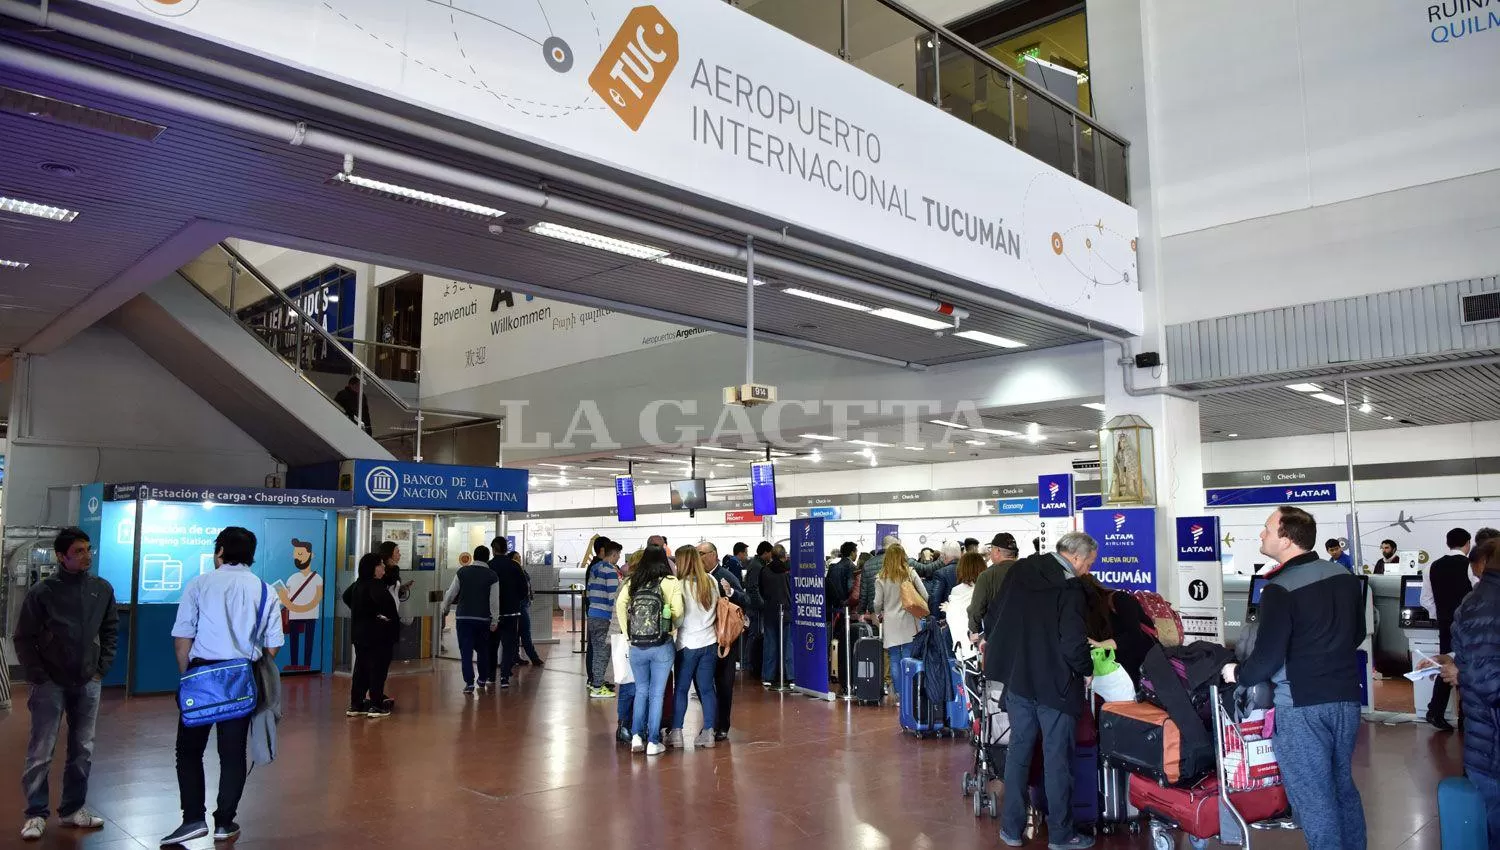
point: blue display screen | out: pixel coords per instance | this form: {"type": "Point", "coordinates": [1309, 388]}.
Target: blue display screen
{"type": "Point", "coordinates": [763, 488]}
{"type": "Point", "coordinates": [1257, 587]}
{"type": "Point", "coordinates": [1411, 593]}
{"type": "Point", "coordinates": [625, 498]}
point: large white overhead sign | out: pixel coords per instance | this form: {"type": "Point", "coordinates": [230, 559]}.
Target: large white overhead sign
{"type": "Point", "coordinates": [701, 96]}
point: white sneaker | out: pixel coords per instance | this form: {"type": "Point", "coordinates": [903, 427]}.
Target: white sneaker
{"type": "Point", "coordinates": [655, 749]}
{"type": "Point", "coordinates": [34, 828]}
{"type": "Point", "coordinates": [636, 744]}
{"type": "Point", "coordinates": [83, 819]}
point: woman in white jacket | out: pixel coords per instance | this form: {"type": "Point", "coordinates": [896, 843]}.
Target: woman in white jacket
{"type": "Point", "coordinates": [956, 609]}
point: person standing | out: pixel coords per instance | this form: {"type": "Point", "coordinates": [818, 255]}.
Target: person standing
{"type": "Point", "coordinates": [66, 639]}
{"type": "Point", "coordinates": [775, 616]}
{"type": "Point", "coordinates": [1444, 585]}
{"type": "Point", "coordinates": [302, 596]}
{"type": "Point", "coordinates": [523, 626]}
{"type": "Point", "coordinates": [651, 607]}
{"type": "Point", "coordinates": [735, 562]}
{"type": "Point", "coordinates": [221, 617]}
{"type": "Point", "coordinates": [956, 608]}
{"type": "Point", "coordinates": [476, 592]}
{"type": "Point", "coordinates": [697, 646]}
{"type": "Point", "coordinates": [1002, 556]}
{"type": "Point", "coordinates": [1305, 642]}
{"type": "Point", "coordinates": [898, 627]}
{"type": "Point", "coordinates": [725, 664]}
{"type": "Point", "coordinates": [512, 600]}
{"type": "Point", "coordinates": [1337, 553]}
{"type": "Point", "coordinates": [1387, 556]}
{"type": "Point", "coordinates": [754, 643]}
{"type": "Point", "coordinates": [375, 625]}
{"type": "Point", "coordinates": [603, 584]}
{"type": "Point", "coordinates": [353, 404]}
{"type": "Point", "coordinates": [1038, 648]}
{"type": "Point", "coordinates": [837, 586]}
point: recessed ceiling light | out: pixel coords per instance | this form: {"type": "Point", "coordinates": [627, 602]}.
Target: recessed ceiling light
{"type": "Point", "coordinates": [999, 432]}
{"type": "Point", "coordinates": [915, 448]}
{"type": "Point", "coordinates": [1305, 388]}
{"type": "Point", "coordinates": [51, 213]}
{"type": "Point", "coordinates": [825, 299]}
{"type": "Point", "coordinates": [1366, 408]}
{"type": "Point", "coordinates": [1094, 405]}
{"type": "Point", "coordinates": [1093, 445]}
{"type": "Point", "coordinates": [1072, 442]}
{"type": "Point", "coordinates": [720, 272]}
{"type": "Point", "coordinates": [595, 240]}
{"type": "Point", "coordinates": [975, 442]}
{"type": "Point", "coordinates": [604, 469]}
{"type": "Point", "coordinates": [416, 196]}
{"type": "Point", "coordinates": [1388, 418]}
{"type": "Point", "coordinates": [818, 437]}
{"type": "Point", "coordinates": [990, 339]}
{"type": "Point", "coordinates": [911, 319]}
{"type": "Point", "coordinates": [1234, 435]}
{"type": "Point", "coordinates": [871, 443]}
{"type": "Point", "coordinates": [946, 424]}
{"type": "Point", "coordinates": [724, 465]}
{"type": "Point", "coordinates": [13, 264]}
{"type": "Point", "coordinates": [1331, 399]}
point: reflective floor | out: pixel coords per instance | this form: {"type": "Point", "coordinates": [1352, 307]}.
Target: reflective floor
{"type": "Point", "coordinates": [536, 766]}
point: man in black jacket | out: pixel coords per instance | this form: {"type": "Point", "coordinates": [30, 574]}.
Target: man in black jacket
{"type": "Point", "coordinates": [1038, 647]}
{"type": "Point", "coordinates": [512, 599]}
{"type": "Point", "coordinates": [1444, 585]}
{"type": "Point", "coordinates": [836, 589]}
{"type": "Point", "coordinates": [1305, 642]}
{"type": "Point", "coordinates": [754, 643]}
{"type": "Point", "coordinates": [65, 638]}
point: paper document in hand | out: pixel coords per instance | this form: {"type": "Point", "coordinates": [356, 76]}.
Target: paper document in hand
{"type": "Point", "coordinates": [1418, 675]}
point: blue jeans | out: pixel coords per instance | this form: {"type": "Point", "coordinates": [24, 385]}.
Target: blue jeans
{"type": "Point", "coordinates": [1028, 719]}
{"type": "Point", "coordinates": [473, 636]}
{"type": "Point", "coordinates": [897, 654]}
{"type": "Point", "coordinates": [49, 704]}
{"type": "Point", "coordinates": [1315, 746]}
{"type": "Point", "coordinates": [1489, 789]}
{"type": "Point", "coordinates": [651, 666]}
{"type": "Point", "coordinates": [625, 702]}
{"type": "Point", "coordinates": [525, 630]}
{"type": "Point", "coordinates": [773, 647]}
{"type": "Point", "coordinates": [696, 667]}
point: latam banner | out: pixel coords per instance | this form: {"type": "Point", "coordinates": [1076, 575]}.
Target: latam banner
{"type": "Point", "coordinates": [1055, 496]}
{"type": "Point", "coordinates": [706, 99]}
{"type": "Point", "coordinates": [1200, 577]}
{"type": "Point", "coordinates": [474, 336]}
{"type": "Point", "coordinates": [809, 610]}
{"type": "Point", "coordinates": [1127, 546]}
{"type": "Point", "coordinates": [1198, 539]}
{"type": "Point", "coordinates": [1301, 494]}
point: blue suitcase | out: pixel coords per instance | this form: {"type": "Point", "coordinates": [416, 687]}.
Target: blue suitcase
{"type": "Point", "coordinates": [959, 720]}
{"type": "Point", "coordinates": [919, 714]}
{"type": "Point", "coordinates": [1461, 815]}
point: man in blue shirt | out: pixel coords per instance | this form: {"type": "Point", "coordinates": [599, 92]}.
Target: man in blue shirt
{"type": "Point", "coordinates": [1337, 554]}
{"type": "Point", "coordinates": [602, 582]}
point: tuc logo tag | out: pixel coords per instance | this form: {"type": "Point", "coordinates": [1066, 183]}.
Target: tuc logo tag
{"type": "Point", "coordinates": [634, 68]}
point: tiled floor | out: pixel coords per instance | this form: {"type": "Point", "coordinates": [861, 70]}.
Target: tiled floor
{"type": "Point", "coordinates": [536, 766]}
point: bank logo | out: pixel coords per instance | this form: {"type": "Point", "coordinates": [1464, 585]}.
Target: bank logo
{"type": "Point", "coordinates": [1197, 532]}
{"type": "Point", "coordinates": [634, 69]}
{"type": "Point", "coordinates": [1119, 521]}
{"type": "Point", "coordinates": [381, 484]}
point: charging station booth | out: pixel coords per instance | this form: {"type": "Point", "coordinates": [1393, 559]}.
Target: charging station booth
{"type": "Point", "coordinates": [150, 540]}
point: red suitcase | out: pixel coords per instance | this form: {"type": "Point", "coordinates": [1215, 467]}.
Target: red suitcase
{"type": "Point", "coordinates": [1195, 810]}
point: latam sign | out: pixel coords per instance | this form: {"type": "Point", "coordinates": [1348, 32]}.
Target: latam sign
{"type": "Point", "coordinates": [1273, 495]}
{"type": "Point", "coordinates": [1198, 539]}
{"type": "Point", "coordinates": [1127, 546]}
{"type": "Point", "coordinates": [1055, 494]}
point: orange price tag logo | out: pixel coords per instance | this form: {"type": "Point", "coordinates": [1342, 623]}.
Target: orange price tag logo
{"type": "Point", "coordinates": [636, 65]}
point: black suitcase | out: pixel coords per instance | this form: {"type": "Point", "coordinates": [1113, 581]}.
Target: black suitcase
{"type": "Point", "coordinates": [869, 665]}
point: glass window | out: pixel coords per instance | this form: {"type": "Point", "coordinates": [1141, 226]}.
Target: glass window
{"type": "Point", "coordinates": [1055, 55]}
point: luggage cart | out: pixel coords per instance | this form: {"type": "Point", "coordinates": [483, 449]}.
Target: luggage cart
{"type": "Point", "coordinates": [986, 736]}
{"type": "Point", "coordinates": [1234, 826]}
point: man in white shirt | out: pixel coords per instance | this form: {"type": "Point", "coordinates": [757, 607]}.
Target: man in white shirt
{"type": "Point", "coordinates": [302, 594]}
{"type": "Point", "coordinates": [224, 615]}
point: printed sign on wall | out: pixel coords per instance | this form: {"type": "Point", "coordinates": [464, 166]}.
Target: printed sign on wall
{"type": "Point", "coordinates": [1127, 546]}
{"type": "Point", "coordinates": [1301, 494]}
{"type": "Point", "coordinates": [1055, 493]}
{"type": "Point", "coordinates": [400, 484]}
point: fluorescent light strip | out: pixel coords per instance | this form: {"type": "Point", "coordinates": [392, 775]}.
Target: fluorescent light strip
{"type": "Point", "coordinates": [913, 319]}
{"type": "Point", "coordinates": [13, 264]}
{"type": "Point", "coordinates": [975, 442]}
{"type": "Point", "coordinates": [1305, 388]}
{"type": "Point", "coordinates": [715, 449]}
{"type": "Point", "coordinates": [915, 448]}
{"type": "Point", "coordinates": [818, 437]}
{"type": "Point", "coordinates": [1094, 405]}
{"type": "Point", "coordinates": [946, 424]}
{"type": "Point", "coordinates": [409, 194]}
{"type": "Point", "coordinates": [826, 299]}
{"type": "Point", "coordinates": [999, 432]}
{"type": "Point", "coordinates": [614, 469]}
{"type": "Point", "coordinates": [51, 213]}
{"type": "Point", "coordinates": [1331, 399]}
{"type": "Point", "coordinates": [554, 465]}
{"type": "Point", "coordinates": [595, 240]}
{"type": "Point", "coordinates": [990, 339]}
{"type": "Point", "coordinates": [872, 444]}
{"type": "Point", "coordinates": [704, 268]}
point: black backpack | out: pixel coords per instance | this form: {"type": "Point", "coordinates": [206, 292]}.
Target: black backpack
{"type": "Point", "coordinates": [643, 622]}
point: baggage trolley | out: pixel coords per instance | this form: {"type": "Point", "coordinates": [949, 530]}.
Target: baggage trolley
{"type": "Point", "coordinates": [987, 737]}
{"type": "Point", "coordinates": [1235, 825]}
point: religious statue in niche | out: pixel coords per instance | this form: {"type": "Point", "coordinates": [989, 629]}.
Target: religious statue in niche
{"type": "Point", "coordinates": [1127, 461]}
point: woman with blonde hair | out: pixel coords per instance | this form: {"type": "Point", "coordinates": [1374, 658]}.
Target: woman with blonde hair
{"type": "Point", "coordinates": [898, 626]}
{"type": "Point", "coordinates": [697, 646]}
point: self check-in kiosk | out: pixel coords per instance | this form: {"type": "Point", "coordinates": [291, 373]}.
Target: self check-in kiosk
{"type": "Point", "coordinates": [1366, 647]}
{"type": "Point", "coordinates": [1422, 642]}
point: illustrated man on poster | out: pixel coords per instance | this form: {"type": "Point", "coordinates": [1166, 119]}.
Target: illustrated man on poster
{"type": "Point", "coordinates": [302, 597]}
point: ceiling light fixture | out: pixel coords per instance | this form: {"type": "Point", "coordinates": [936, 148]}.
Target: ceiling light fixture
{"type": "Point", "coordinates": [630, 457]}
{"type": "Point", "coordinates": [825, 299]}
{"type": "Point", "coordinates": [13, 264]}
{"type": "Point", "coordinates": [715, 449]}
{"type": "Point", "coordinates": [1234, 435]}
{"type": "Point", "coordinates": [1366, 408]}
{"type": "Point", "coordinates": [1094, 405]}
{"type": "Point", "coordinates": [975, 442]}
{"type": "Point", "coordinates": [915, 448]}
{"type": "Point", "coordinates": [913, 319]}
{"type": "Point", "coordinates": [1389, 418]}
{"type": "Point", "coordinates": [990, 339]}
{"type": "Point", "coordinates": [554, 465]}
{"type": "Point", "coordinates": [720, 272]}
{"type": "Point", "coordinates": [998, 432]}
{"type": "Point", "coordinates": [417, 196]}
{"type": "Point", "coordinates": [47, 211]}
{"type": "Point", "coordinates": [605, 469]}
{"type": "Point", "coordinates": [946, 424]}
{"type": "Point", "coordinates": [1331, 399]}
{"type": "Point", "coordinates": [818, 437]}
{"type": "Point", "coordinates": [1305, 388]}
{"type": "Point", "coordinates": [871, 443]}
{"type": "Point", "coordinates": [595, 240]}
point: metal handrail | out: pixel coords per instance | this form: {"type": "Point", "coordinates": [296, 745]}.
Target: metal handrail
{"type": "Point", "coordinates": [949, 37]}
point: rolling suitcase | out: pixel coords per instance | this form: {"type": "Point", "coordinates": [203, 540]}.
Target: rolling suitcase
{"type": "Point", "coordinates": [1085, 784]}
{"type": "Point", "coordinates": [1461, 815]}
{"type": "Point", "coordinates": [1114, 796]}
{"type": "Point", "coordinates": [959, 720]}
{"type": "Point", "coordinates": [1195, 809]}
{"type": "Point", "coordinates": [869, 665]}
{"type": "Point", "coordinates": [1145, 740]}
{"type": "Point", "coordinates": [919, 714]}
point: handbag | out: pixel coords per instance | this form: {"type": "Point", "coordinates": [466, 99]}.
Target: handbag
{"type": "Point", "coordinates": [223, 690]}
{"type": "Point", "coordinates": [912, 601]}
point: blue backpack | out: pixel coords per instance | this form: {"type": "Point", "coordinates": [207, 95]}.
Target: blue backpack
{"type": "Point", "coordinates": [224, 690]}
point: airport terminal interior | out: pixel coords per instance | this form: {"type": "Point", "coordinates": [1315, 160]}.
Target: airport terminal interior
{"type": "Point", "coordinates": [392, 281]}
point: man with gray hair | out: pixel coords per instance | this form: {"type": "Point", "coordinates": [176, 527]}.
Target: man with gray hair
{"type": "Point", "coordinates": [1039, 649]}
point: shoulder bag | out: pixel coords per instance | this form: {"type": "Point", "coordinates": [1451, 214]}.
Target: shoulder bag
{"type": "Point", "coordinates": [223, 690]}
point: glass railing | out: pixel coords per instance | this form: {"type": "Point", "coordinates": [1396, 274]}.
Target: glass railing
{"type": "Point", "coordinates": [325, 360]}
{"type": "Point", "coordinates": [897, 45]}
